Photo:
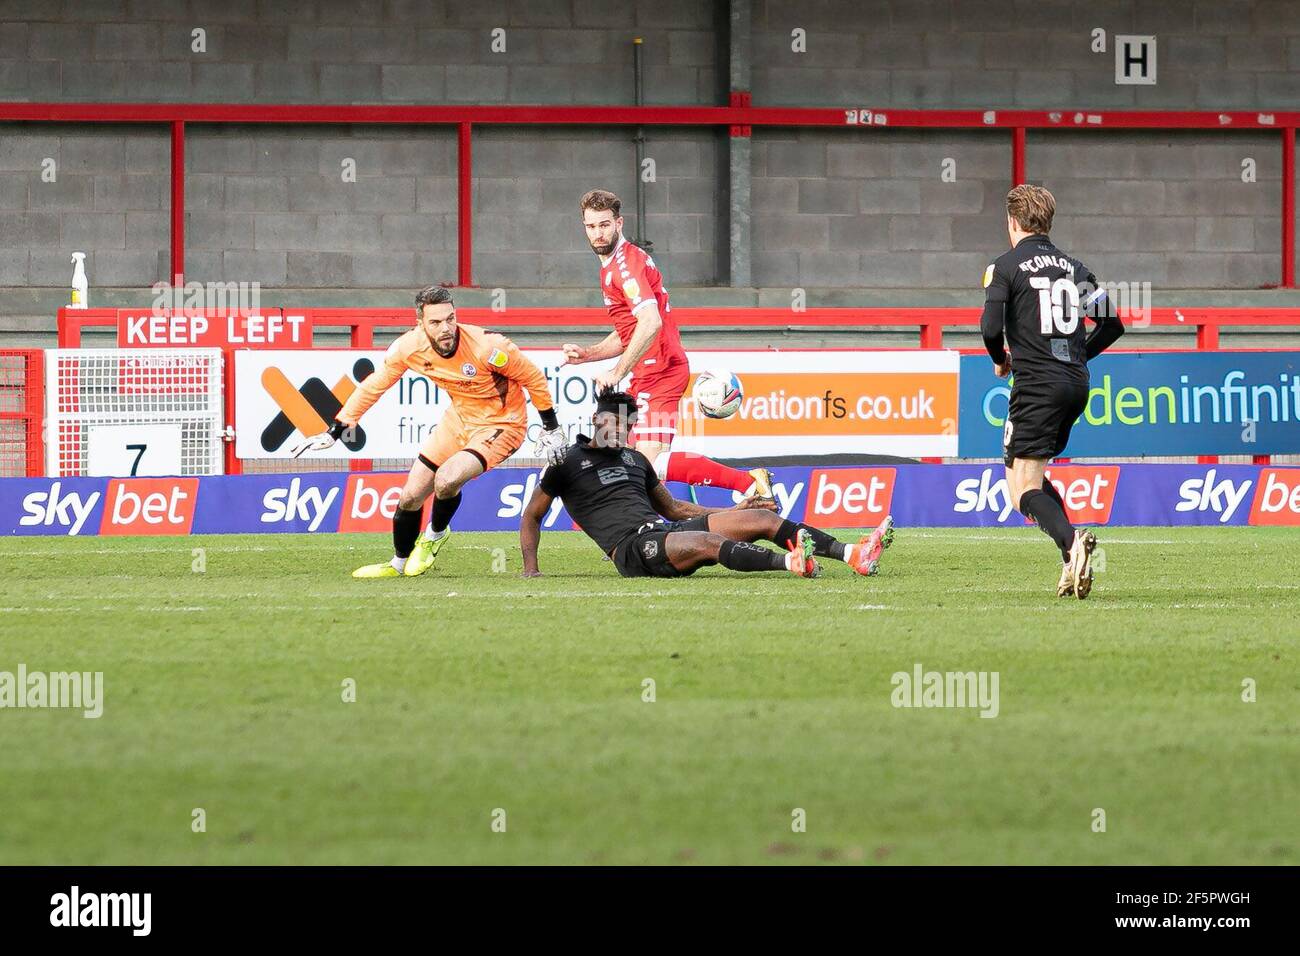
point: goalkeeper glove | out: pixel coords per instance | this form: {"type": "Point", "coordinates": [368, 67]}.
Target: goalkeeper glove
{"type": "Point", "coordinates": [322, 441]}
{"type": "Point", "coordinates": [552, 442]}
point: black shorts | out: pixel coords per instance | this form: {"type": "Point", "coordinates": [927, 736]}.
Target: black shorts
{"type": "Point", "coordinates": [643, 554]}
{"type": "Point", "coordinates": [1040, 418]}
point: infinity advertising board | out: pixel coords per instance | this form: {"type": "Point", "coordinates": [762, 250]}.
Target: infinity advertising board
{"type": "Point", "coordinates": [1144, 404]}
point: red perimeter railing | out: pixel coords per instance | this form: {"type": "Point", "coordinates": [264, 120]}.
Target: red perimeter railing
{"type": "Point", "coordinates": [930, 323]}
{"type": "Point", "coordinates": [22, 413]}
{"type": "Point", "coordinates": [740, 118]}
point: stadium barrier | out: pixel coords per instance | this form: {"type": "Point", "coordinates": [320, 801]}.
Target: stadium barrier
{"type": "Point", "coordinates": [810, 402]}
{"type": "Point", "coordinates": [1148, 404]}
{"type": "Point", "coordinates": [959, 496]}
{"type": "Point", "coordinates": [22, 408]}
{"type": "Point", "coordinates": [294, 329]}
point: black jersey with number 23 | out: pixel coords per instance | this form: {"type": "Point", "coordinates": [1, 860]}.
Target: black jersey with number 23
{"type": "Point", "coordinates": [1045, 326]}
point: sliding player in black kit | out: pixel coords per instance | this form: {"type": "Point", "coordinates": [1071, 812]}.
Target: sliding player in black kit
{"type": "Point", "coordinates": [614, 495]}
{"type": "Point", "coordinates": [1036, 295]}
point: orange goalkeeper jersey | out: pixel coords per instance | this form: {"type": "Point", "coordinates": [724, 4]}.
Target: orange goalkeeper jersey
{"type": "Point", "coordinates": [485, 377]}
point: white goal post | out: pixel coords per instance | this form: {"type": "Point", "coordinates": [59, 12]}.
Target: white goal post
{"type": "Point", "coordinates": [167, 400]}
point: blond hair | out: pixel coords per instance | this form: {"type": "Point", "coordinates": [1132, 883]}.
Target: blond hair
{"type": "Point", "coordinates": [1032, 208]}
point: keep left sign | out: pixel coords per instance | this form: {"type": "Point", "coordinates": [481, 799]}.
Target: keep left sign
{"type": "Point", "coordinates": [266, 329]}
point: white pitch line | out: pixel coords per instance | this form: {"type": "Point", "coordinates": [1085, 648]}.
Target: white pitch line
{"type": "Point", "coordinates": [183, 549]}
{"type": "Point", "coordinates": [1101, 540]}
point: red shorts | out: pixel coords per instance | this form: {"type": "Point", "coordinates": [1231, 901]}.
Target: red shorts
{"type": "Point", "coordinates": [658, 395]}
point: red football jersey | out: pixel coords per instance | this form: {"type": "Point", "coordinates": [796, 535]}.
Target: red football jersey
{"type": "Point", "coordinates": [630, 281]}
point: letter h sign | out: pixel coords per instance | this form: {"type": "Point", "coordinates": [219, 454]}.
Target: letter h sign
{"type": "Point", "coordinates": [1135, 60]}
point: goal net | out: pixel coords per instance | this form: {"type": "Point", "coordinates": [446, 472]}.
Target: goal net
{"type": "Point", "coordinates": [135, 395]}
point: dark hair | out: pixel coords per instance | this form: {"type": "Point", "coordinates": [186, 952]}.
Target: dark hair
{"type": "Point", "coordinates": [616, 403]}
{"type": "Point", "coordinates": [600, 200]}
{"type": "Point", "coordinates": [431, 295]}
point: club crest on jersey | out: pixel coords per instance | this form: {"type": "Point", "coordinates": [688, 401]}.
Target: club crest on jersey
{"type": "Point", "coordinates": [988, 275]}
{"type": "Point", "coordinates": [468, 370]}
{"type": "Point", "coordinates": [498, 358]}
{"type": "Point", "coordinates": [632, 289]}
{"type": "Point", "coordinates": [650, 548]}
{"type": "Point", "coordinates": [627, 458]}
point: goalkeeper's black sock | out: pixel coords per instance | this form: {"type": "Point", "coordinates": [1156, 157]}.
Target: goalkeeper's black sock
{"type": "Point", "coordinates": [443, 509]}
{"type": "Point", "coordinates": [406, 528]}
{"type": "Point", "coordinates": [1047, 511]}
{"type": "Point", "coordinates": [824, 545]}
{"type": "Point", "coordinates": [743, 556]}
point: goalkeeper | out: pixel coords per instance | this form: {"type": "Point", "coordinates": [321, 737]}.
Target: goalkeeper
{"type": "Point", "coordinates": [486, 375]}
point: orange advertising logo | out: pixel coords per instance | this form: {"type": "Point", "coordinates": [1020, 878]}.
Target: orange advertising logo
{"type": "Point", "coordinates": [371, 501]}
{"type": "Point", "coordinates": [1277, 497]}
{"type": "Point", "coordinates": [1087, 490]}
{"type": "Point", "coordinates": [150, 506]}
{"type": "Point", "coordinates": [835, 403]}
{"type": "Point", "coordinates": [311, 408]}
{"type": "Point", "coordinates": [849, 497]}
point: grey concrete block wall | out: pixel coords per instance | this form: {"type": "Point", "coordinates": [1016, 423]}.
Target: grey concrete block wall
{"type": "Point", "coordinates": [108, 198]}
{"type": "Point", "coordinates": [281, 195]}
{"type": "Point", "coordinates": [280, 206]}
{"type": "Point", "coordinates": [527, 229]}
{"type": "Point", "coordinates": [1170, 209]}
{"type": "Point", "coordinates": [831, 208]}
{"type": "Point", "coordinates": [1211, 54]}
{"type": "Point", "coordinates": [871, 208]}
{"type": "Point", "coordinates": [345, 51]}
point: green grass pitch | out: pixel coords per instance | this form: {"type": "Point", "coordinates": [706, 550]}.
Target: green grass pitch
{"type": "Point", "coordinates": [477, 690]}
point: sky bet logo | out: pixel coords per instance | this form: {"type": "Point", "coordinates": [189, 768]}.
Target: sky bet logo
{"type": "Point", "coordinates": [1222, 497]}
{"type": "Point", "coordinates": [293, 505]}
{"type": "Point", "coordinates": [129, 506]}
{"type": "Point", "coordinates": [55, 507]}
{"type": "Point", "coordinates": [310, 409]}
{"type": "Point", "coordinates": [1277, 498]}
{"type": "Point", "coordinates": [1276, 501]}
{"type": "Point", "coordinates": [849, 497]}
{"type": "Point", "coordinates": [1087, 490]}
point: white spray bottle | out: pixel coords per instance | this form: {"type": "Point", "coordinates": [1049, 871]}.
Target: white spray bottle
{"type": "Point", "coordinates": [80, 287]}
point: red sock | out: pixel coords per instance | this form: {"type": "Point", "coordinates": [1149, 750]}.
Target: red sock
{"type": "Point", "coordinates": [698, 470]}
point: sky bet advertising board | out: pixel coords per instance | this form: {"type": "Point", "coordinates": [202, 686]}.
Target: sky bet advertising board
{"type": "Point", "coordinates": [964, 496]}
{"type": "Point", "coordinates": [1154, 403]}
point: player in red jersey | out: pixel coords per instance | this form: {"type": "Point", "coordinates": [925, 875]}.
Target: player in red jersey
{"type": "Point", "coordinates": [646, 341]}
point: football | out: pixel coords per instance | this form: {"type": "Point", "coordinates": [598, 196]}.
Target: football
{"type": "Point", "coordinates": [718, 393]}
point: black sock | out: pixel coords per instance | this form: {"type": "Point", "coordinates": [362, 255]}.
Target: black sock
{"type": "Point", "coordinates": [406, 528]}
{"type": "Point", "coordinates": [824, 545]}
{"type": "Point", "coordinates": [743, 556]}
{"type": "Point", "coordinates": [1049, 489]}
{"type": "Point", "coordinates": [443, 509]}
{"type": "Point", "coordinates": [1047, 511]}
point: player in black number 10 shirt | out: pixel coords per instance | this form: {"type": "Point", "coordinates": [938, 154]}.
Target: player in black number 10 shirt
{"type": "Point", "coordinates": [1037, 296]}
